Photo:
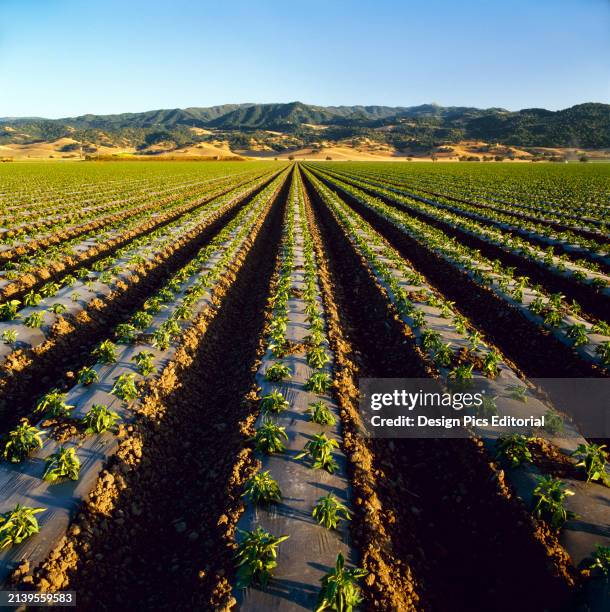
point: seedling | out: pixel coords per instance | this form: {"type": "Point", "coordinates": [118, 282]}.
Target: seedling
{"type": "Point", "coordinates": [318, 382]}
{"type": "Point", "coordinates": [268, 439]}
{"type": "Point", "coordinates": [514, 448]}
{"type": "Point", "coordinates": [320, 413]}
{"type": "Point", "coordinates": [549, 496]}
{"type": "Point", "coordinates": [329, 511]}
{"type": "Point", "coordinates": [144, 362]}
{"type": "Point", "coordinates": [53, 405]}
{"type": "Point", "coordinates": [8, 310]}
{"type": "Point", "coordinates": [443, 355]}
{"type": "Point", "coordinates": [35, 320]}
{"type": "Point", "coordinates": [61, 465]}
{"type": "Point", "coordinates": [578, 333]}
{"type": "Point", "coordinates": [141, 320]}
{"type": "Point", "coordinates": [317, 357]}
{"type": "Point", "coordinates": [320, 451]}
{"type": "Point", "coordinates": [99, 419]}
{"type": "Point", "coordinates": [277, 372]}
{"type": "Point", "coordinates": [593, 458]}
{"type": "Point", "coordinates": [262, 489]}
{"type": "Point", "coordinates": [431, 339]}
{"type": "Point", "coordinates": [461, 375]}
{"type": "Point", "coordinates": [9, 336]}
{"type": "Point", "coordinates": [256, 557]}
{"type": "Point", "coordinates": [553, 423]}
{"type": "Point", "coordinates": [601, 560]}
{"type": "Point", "coordinates": [490, 364]}
{"type": "Point", "coordinates": [340, 591]}
{"type": "Point", "coordinates": [57, 308]}
{"type": "Point", "coordinates": [125, 387]}
{"type": "Point", "coordinates": [22, 441]}
{"type": "Point", "coordinates": [105, 352]}
{"type": "Point", "coordinates": [603, 350]}
{"type": "Point", "coordinates": [31, 298]}
{"type": "Point", "coordinates": [517, 392]}
{"type": "Point", "coordinates": [161, 339]}
{"type": "Point", "coordinates": [274, 402]}
{"type": "Point", "coordinates": [87, 376]}
{"type": "Point", "coordinates": [125, 333]}
{"type": "Point", "coordinates": [19, 524]}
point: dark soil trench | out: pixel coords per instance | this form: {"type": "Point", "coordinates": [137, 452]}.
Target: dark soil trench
{"type": "Point", "coordinates": [469, 546]}
{"type": "Point", "coordinates": [161, 549]}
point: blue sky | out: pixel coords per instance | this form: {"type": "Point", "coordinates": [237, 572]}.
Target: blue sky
{"type": "Point", "coordinates": [62, 58]}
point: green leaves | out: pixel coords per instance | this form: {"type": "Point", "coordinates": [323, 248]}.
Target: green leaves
{"type": "Point", "coordinates": [274, 402]}
{"type": "Point", "coordinates": [99, 419]}
{"type": "Point", "coordinates": [256, 557]}
{"type": "Point", "coordinates": [125, 387]}
{"type": "Point", "coordinates": [105, 352]}
{"type": "Point", "coordinates": [53, 405]}
{"type": "Point", "coordinates": [340, 591]}
{"type": "Point", "coordinates": [261, 488]}
{"type": "Point", "coordinates": [515, 449]}
{"type": "Point", "coordinates": [277, 372]}
{"type": "Point", "coordinates": [320, 452]}
{"type": "Point", "coordinates": [549, 496]}
{"type": "Point", "coordinates": [269, 438]}
{"type": "Point", "coordinates": [321, 414]}
{"type": "Point", "coordinates": [18, 524]}
{"type": "Point", "coordinates": [329, 511]}
{"type": "Point", "coordinates": [22, 441]}
{"type": "Point", "coordinates": [62, 464]}
{"type": "Point", "coordinates": [593, 459]}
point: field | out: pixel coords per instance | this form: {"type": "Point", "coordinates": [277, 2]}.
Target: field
{"type": "Point", "coordinates": [182, 347]}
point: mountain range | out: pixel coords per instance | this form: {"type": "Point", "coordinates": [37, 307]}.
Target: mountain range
{"type": "Point", "coordinates": [285, 125]}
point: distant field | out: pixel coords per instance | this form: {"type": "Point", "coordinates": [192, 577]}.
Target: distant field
{"type": "Point", "coordinates": [181, 352]}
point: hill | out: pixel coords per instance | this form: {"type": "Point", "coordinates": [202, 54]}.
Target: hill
{"type": "Point", "coordinates": [290, 126]}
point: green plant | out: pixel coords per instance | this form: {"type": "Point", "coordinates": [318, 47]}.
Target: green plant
{"type": "Point", "coordinates": [125, 387]}
{"type": "Point", "coordinates": [105, 352]}
{"type": "Point", "coordinates": [490, 364]}
{"type": "Point", "coordinates": [256, 557]}
{"type": "Point", "coordinates": [553, 423]}
{"type": "Point", "coordinates": [601, 560]}
{"type": "Point", "coordinates": [593, 458]}
{"type": "Point", "coordinates": [487, 408]}
{"type": "Point", "coordinates": [99, 419]}
{"type": "Point", "coordinates": [268, 438]}
{"type": "Point", "coordinates": [321, 414]}
{"type": "Point", "coordinates": [8, 310]}
{"type": "Point", "coordinates": [9, 336]}
{"type": "Point", "coordinates": [517, 392]}
{"type": "Point", "coordinates": [443, 355]}
{"type": "Point", "coordinates": [461, 375]}
{"type": "Point", "coordinates": [87, 376]}
{"type": "Point", "coordinates": [35, 320]}
{"type": "Point", "coordinates": [603, 350]}
{"type": "Point", "coordinates": [277, 372]}
{"type": "Point", "coordinates": [62, 464]}
{"type": "Point", "coordinates": [320, 450]}
{"type": "Point", "coordinates": [340, 591]}
{"type": "Point", "coordinates": [31, 298]}
{"type": "Point", "coordinates": [515, 448]}
{"type": "Point", "coordinates": [53, 405]}
{"type": "Point", "coordinates": [549, 495]}
{"type": "Point", "coordinates": [319, 382]}
{"type": "Point", "coordinates": [125, 333]}
{"type": "Point", "coordinates": [144, 362]}
{"type": "Point", "coordinates": [261, 488]}
{"type": "Point", "coordinates": [161, 339]}
{"type": "Point", "coordinates": [22, 441]}
{"type": "Point", "coordinates": [141, 319]}
{"type": "Point", "coordinates": [57, 308]}
{"type": "Point", "coordinates": [317, 357]}
{"type": "Point", "coordinates": [274, 402]}
{"type": "Point", "coordinates": [578, 333]}
{"type": "Point", "coordinates": [329, 511]}
{"type": "Point", "coordinates": [18, 524]}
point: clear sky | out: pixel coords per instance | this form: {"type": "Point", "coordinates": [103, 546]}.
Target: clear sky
{"type": "Point", "coordinates": [63, 58]}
